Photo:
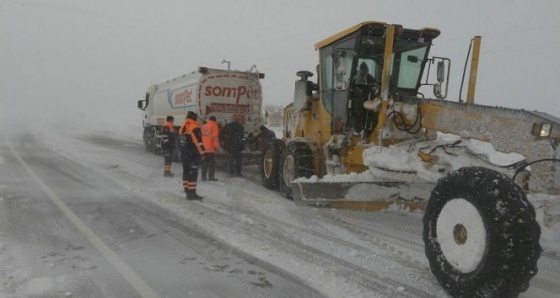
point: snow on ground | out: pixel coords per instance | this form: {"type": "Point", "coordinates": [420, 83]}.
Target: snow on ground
{"type": "Point", "coordinates": [547, 207]}
{"type": "Point", "coordinates": [241, 196]}
{"type": "Point", "coordinates": [245, 202]}
{"type": "Point", "coordinates": [450, 153]}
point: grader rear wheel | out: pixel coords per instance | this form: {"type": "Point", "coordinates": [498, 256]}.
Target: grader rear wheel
{"type": "Point", "coordinates": [480, 233]}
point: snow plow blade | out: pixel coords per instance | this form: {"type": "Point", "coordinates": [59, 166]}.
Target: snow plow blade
{"type": "Point", "coordinates": [363, 196]}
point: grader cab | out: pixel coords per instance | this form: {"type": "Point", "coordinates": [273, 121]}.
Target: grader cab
{"type": "Point", "coordinates": [365, 136]}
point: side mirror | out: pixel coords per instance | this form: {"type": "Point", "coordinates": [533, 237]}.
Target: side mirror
{"type": "Point", "coordinates": [142, 104]}
{"type": "Point", "coordinates": [441, 82]}
{"type": "Point", "coordinates": [437, 90]}
{"type": "Point", "coordinates": [440, 72]}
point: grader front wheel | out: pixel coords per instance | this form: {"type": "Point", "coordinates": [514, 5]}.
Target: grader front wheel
{"type": "Point", "coordinates": [297, 162]}
{"type": "Point", "coordinates": [480, 233]}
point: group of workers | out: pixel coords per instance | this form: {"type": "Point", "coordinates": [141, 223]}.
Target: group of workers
{"type": "Point", "coordinates": [199, 146]}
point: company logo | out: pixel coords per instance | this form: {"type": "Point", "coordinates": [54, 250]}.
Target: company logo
{"type": "Point", "coordinates": [254, 93]}
{"type": "Point", "coordinates": [220, 91]}
{"type": "Point", "coordinates": [183, 97]}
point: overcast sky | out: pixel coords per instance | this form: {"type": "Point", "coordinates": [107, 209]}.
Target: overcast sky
{"type": "Point", "coordinates": [92, 60]}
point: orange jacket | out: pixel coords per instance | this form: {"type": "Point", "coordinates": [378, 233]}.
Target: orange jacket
{"type": "Point", "coordinates": [167, 136]}
{"type": "Point", "coordinates": [168, 125]}
{"type": "Point", "coordinates": [210, 133]}
{"type": "Point", "coordinates": [194, 140]}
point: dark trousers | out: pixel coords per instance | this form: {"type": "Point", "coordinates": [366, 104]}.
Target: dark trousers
{"type": "Point", "coordinates": [190, 170]}
{"type": "Point", "coordinates": [167, 156]}
{"type": "Point", "coordinates": [234, 162]}
{"type": "Point", "coordinates": [209, 166]}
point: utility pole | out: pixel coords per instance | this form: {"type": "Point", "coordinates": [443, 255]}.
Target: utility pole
{"type": "Point", "coordinates": [228, 63]}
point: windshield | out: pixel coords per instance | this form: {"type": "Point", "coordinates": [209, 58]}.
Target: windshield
{"type": "Point", "coordinates": [407, 64]}
{"type": "Point", "coordinates": [406, 61]}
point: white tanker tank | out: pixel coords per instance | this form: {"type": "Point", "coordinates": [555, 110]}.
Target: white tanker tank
{"type": "Point", "coordinates": [208, 92]}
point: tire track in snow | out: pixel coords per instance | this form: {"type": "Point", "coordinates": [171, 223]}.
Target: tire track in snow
{"type": "Point", "coordinates": [277, 235]}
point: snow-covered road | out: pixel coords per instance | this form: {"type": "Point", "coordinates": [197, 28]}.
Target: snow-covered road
{"type": "Point", "coordinates": [242, 239]}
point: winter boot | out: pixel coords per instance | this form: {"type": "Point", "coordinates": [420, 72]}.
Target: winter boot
{"type": "Point", "coordinates": [192, 195]}
{"type": "Point", "coordinates": [167, 174]}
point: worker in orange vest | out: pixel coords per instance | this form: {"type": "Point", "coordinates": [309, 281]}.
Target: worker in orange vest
{"type": "Point", "coordinates": [167, 145]}
{"type": "Point", "coordinates": [210, 134]}
{"type": "Point", "coordinates": [192, 151]}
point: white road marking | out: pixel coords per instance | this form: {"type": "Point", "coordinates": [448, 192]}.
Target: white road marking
{"type": "Point", "coordinates": [120, 266]}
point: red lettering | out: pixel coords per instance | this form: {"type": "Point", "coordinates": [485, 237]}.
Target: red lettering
{"type": "Point", "coordinates": [217, 91]}
{"type": "Point", "coordinates": [226, 92]}
{"type": "Point", "coordinates": [237, 93]}
{"type": "Point", "coordinates": [230, 108]}
{"type": "Point", "coordinates": [241, 90]}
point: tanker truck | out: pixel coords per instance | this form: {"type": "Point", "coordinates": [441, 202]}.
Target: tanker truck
{"type": "Point", "coordinates": [224, 94]}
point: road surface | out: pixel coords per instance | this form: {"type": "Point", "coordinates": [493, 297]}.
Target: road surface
{"type": "Point", "coordinates": [90, 215]}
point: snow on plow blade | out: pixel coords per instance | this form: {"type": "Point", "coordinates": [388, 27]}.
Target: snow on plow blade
{"type": "Point", "coordinates": [363, 196]}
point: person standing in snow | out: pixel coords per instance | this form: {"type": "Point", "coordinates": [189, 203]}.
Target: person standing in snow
{"type": "Point", "coordinates": [192, 151]}
{"type": "Point", "coordinates": [210, 139]}
{"type": "Point", "coordinates": [233, 142]}
{"type": "Point", "coordinates": [167, 142]}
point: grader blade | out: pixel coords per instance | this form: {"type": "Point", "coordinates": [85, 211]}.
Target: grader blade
{"type": "Point", "coordinates": [363, 196]}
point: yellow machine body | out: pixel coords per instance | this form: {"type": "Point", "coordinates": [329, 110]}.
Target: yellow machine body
{"type": "Point", "coordinates": [336, 120]}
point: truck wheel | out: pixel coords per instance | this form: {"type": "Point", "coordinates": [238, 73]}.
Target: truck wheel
{"type": "Point", "coordinates": [480, 234]}
{"type": "Point", "coordinates": [147, 140]}
{"type": "Point", "coordinates": [155, 149]}
{"type": "Point", "coordinates": [297, 162]}
{"type": "Point", "coordinates": [269, 166]}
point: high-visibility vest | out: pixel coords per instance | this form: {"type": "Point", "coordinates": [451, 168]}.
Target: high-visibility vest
{"type": "Point", "coordinates": [188, 129]}
{"type": "Point", "coordinates": [210, 135]}
{"type": "Point", "coordinates": [168, 125]}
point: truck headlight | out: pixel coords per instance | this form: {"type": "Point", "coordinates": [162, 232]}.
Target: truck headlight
{"type": "Point", "coordinates": [542, 130]}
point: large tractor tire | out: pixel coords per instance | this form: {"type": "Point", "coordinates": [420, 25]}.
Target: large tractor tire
{"type": "Point", "coordinates": [297, 162]}
{"type": "Point", "coordinates": [269, 166]}
{"type": "Point", "coordinates": [480, 233]}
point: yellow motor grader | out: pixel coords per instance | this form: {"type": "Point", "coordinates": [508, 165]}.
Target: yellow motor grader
{"type": "Point", "coordinates": [365, 136]}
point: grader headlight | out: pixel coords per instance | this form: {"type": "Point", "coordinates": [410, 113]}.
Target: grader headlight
{"type": "Point", "coordinates": [542, 130]}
